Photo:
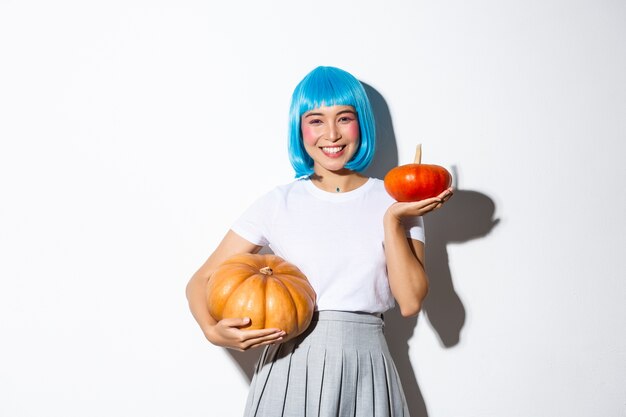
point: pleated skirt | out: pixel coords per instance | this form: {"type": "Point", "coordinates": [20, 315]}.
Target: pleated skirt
{"type": "Point", "coordinates": [340, 367]}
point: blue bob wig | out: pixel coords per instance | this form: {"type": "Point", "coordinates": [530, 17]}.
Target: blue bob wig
{"type": "Point", "coordinates": [330, 86]}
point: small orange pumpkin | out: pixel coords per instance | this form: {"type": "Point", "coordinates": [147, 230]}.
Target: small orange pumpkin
{"type": "Point", "coordinates": [417, 181]}
{"type": "Point", "coordinates": [271, 291]}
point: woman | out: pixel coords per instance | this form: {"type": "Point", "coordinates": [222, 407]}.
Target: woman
{"type": "Point", "coordinates": [359, 249]}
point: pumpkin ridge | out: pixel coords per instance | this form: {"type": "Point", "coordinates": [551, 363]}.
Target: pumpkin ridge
{"type": "Point", "coordinates": [295, 307]}
{"type": "Point", "coordinates": [300, 291]}
{"type": "Point", "coordinates": [220, 277]}
{"type": "Point", "coordinates": [230, 295]}
{"type": "Point", "coordinates": [279, 280]}
{"type": "Point", "coordinates": [289, 268]}
{"type": "Point", "coordinates": [262, 288]}
{"type": "Point", "coordinates": [302, 284]}
{"type": "Point", "coordinates": [238, 285]}
{"type": "Point", "coordinates": [254, 319]}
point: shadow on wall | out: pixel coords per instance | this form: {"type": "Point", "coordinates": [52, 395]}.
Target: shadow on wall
{"type": "Point", "coordinates": [468, 215]}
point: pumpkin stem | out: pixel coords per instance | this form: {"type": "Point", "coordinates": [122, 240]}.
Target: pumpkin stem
{"type": "Point", "coordinates": [418, 154]}
{"type": "Point", "coordinates": [266, 270]}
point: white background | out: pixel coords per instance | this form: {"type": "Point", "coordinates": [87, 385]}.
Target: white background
{"type": "Point", "coordinates": [134, 132]}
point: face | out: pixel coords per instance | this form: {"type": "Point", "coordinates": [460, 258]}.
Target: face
{"type": "Point", "coordinates": [331, 136]}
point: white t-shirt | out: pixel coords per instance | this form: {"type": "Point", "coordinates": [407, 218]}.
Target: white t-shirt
{"type": "Point", "coordinates": [336, 239]}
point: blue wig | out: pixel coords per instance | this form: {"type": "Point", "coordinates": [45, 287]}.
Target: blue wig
{"type": "Point", "coordinates": [329, 86]}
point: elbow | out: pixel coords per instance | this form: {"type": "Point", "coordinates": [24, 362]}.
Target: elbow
{"type": "Point", "coordinates": [412, 307]}
{"type": "Point", "coordinates": [197, 284]}
{"type": "Point", "coordinates": [410, 311]}
{"type": "Point", "coordinates": [191, 287]}
{"type": "Point", "coordinates": [188, 290]}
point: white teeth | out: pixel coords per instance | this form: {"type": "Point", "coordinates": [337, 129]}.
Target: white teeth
{"type": "Point", "coordinates": [333, 149]}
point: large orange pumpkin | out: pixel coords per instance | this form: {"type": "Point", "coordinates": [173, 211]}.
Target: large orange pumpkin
{"type": "Point", "coordinates": [271, 291]}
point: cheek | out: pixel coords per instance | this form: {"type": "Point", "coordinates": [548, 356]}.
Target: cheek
{"type": "Point", "coordinates": [308, 135]}
{"type": "Point", "coordinates": [352, 131]}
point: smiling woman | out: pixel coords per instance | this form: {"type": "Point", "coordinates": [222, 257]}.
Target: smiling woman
{"type": "Point", "coordinates": [329, 87]}
{"type": "Point", "coordinates": [360, 250]}
{"type": "Point", "coordinates": [331, 138]}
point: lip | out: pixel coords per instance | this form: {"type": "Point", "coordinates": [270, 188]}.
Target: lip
{"type": "Point", "coordinates": [334, 154]}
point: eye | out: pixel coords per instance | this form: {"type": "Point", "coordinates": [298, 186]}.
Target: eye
{"type": "Point", "coordinates": [346, 119]}
{"type": "Point", "coordinates": [314, 121]}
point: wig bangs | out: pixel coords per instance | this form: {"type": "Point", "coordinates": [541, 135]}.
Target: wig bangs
{"type": "Point", "coordinates": [325, 92]}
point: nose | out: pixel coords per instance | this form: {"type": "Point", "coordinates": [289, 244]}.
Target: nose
{"type": "Point", "coordinates": [333, 133]}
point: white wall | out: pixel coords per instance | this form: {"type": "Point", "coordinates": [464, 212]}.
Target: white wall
{"type": "Point", "coordinates": [134, 132]}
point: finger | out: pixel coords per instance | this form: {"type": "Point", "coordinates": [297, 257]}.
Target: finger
{"type": "Point", "coordinates": [430, 201]}
{"type": "Point", "coordinates": [418, 208]}
{"type": "Point", "coordinates": [246, 335]}
{"type": "Point", "coordinates": [267, 342]}
{"type": "Point", "coordinates": [443, 197]}
{"type": "Point", "coordinates": [235, 322]}
{"type": "Point", "coordinates": [421, 204]}
{"type": "Point", "coordinates": [430, 207]}
{"type": "Point", "coordinates": [447, 193]}
{"type": "Point", "coordinates": [261, 341]}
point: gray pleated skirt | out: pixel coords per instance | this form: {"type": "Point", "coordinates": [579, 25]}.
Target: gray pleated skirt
{"type": "Point", "coordinates": [339, 367]}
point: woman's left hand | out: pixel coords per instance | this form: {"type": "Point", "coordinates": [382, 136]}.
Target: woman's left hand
{"type": "Point", "coordinates": [400, 210]}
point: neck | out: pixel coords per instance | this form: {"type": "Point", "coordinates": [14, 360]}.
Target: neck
{"type": "Point", "coordinates": [338, 182]}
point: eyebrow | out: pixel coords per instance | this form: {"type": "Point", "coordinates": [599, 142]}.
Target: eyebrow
{"type": "Point", "coordinates": [322, 114]}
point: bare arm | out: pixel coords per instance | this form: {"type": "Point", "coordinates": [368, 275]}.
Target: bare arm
{"type": "Point", "coordinates": [227, 332]}
{"type": "Point", "coordinates": [405, 257]}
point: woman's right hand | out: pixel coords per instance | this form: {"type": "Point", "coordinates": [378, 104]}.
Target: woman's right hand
{"type": "Point", "coordinates": [228, 333]}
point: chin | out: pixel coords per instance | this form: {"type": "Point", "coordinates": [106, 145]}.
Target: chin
{"type": "Point", "coordinates": [338, 170]}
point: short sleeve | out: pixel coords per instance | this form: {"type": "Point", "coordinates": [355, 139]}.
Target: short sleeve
{"type": "Point", "coordinates": [415, 228]}
{"type": "Point", "coordinates": [253, 224]}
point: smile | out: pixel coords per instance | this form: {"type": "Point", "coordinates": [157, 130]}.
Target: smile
{"type": "Point", "coordinates": [332, 150]}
